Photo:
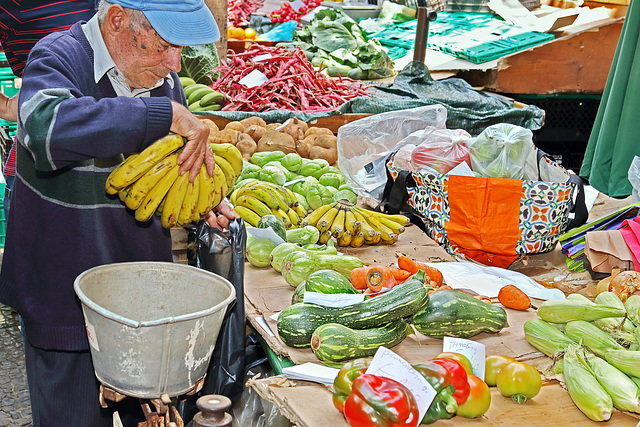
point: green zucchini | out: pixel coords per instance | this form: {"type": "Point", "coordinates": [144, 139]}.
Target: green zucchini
{"type": "Point", "coordinates": [297, 322]}
{"type": "Point", "coordinates": [334, 342]}
{"type": "Point", "coordinates": [298, 293]}
{"type": "Point", "coordinates": [329, 282]}
{"type": "Point", "coordinates": [455, 314]}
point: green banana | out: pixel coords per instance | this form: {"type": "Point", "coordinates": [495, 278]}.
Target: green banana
{"type": "Point", "coordinates": [198, 94]}
{"type": "Point", "coordinates": [192, 88]}
{"type": "Point", "coordinates": [195, 106]}
{"type": "Point", "coordinates": [155, 197]}
{"type": "Point", "coordinates": [213, 107]}
{"type": "Point", "coordinates": [172, 205]}
{"type": "Point", "coordinates": [213, 98]}
{"type": "Point", "coordinates": [146, 182]}
{"type": "Point", "coordinates": [186, 81]}
{"type": "Point", "coordinates": [231, 154]}
{"type": "Point", "coordinates": [134, 169]}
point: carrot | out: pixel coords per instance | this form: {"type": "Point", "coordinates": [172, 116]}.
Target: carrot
{"type": "Point", "coordinates": [359, 277]}
{"type": "Point", "coordinates": [406, 263]}
{"type": "Point", "coordinates": [379, 278]}
{"type": "Point", "coordinates": [399, 274]}
{"type": "Point", "coordinates": [512, 297]}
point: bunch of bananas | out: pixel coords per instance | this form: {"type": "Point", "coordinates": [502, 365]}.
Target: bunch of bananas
{"type": "Point", "coordinates": [256, 199]}
{"type": "Point", "coordinates": [354, 226]}
{"type": "Point", "coordinates": [148, 182]}
{"type": "Point", "coordinates": [201, 97]}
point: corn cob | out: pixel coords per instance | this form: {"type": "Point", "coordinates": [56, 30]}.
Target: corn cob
{"type": "Point", "coordinates": [623, 391]}
{"type": "Point", "coordinates": [612, 300]}
{"type": "Point", "coordinates": [632, 305]}
{"type": "Point", "coordinates": [545, 337]}
{"type": "Point", "coordinates": [566, 310]}
{"type": "Point", "coordinates": [585, 390]}
{"type": "Point", "coordinates": [591, 337]}
{"type": "Point", "coordinates": [625, 360]}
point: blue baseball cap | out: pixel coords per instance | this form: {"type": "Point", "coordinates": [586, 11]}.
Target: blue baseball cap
{"type": "Point", "coordinates": [179, 22]}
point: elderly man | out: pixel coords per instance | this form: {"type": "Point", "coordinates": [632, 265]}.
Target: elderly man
{"type": "Point", "coordinates": [102, 88]}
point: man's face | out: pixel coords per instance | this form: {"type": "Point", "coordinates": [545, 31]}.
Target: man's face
{"type": "Point", "coordinates": [144, 57]}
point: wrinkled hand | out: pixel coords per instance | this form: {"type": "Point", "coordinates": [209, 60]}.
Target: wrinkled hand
{"type": "Point", "coordinates": [219, 217]}
{"type": "Point", "coordinates": [197, 149]}
{"type": "Point", "coordinates": [9, 107]}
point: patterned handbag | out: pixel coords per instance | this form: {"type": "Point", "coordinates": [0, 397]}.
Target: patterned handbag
{"type": "Point", "coordinates": [490, 220]}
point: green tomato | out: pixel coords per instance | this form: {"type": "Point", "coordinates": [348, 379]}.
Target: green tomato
{"type": "Point", "coordinates": [492, 367]}
{"type": "Point", "coordinates": [520, 381]}
{"type": "Point", "coordinates": [464, 360]}
{"type": "Point", "coordinates": [478, 401]}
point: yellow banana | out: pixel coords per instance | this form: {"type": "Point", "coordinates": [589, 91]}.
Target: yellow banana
{"type": "Point", "coordinates": [365, 227]}
{"type": "Point", "coordinates": [325, 222]}
{"type": "Point", "coordinates": [134, 169]}
{"type": "Point", "coordinates": [285, 193]}
{"type": "Point", "coordinates": [205, 192]}
{"type": "Point", "coordinates": [248, 215]}
{"type": "Point", "coordinates": [390, 241]}
{"type": "Point", "coordinates": [254, 204]}
{"type": "Point", "coordinates": [283, 216]}
{"type": "Point", "coordinates": [189, 203]}
{"type": "Point", "coordinates": [357, 240]}
{"type": "Point", "coordinates": [386, 233]}
{"type": "Point", "coordinates": [172, 205]}
{"type": "Point", "coordinates": [231, 154]}
{"type": "Point", "coordinates": [314, 216]}
{"type": "Point", "coordinates": [374, 240]}
{"type": "Point", "coordinates": [123, 193]}
{"type": "Point", "coordinates": [344, 239]}
{"type": "Point", "coordinates": [263, 194]}
{"type": "Point", "coordinates": [272, 189]}
{"type": "Point", "coordinates": [146, 182]}
{"type": "Point", "coordinates": [293, 217]}
{"type": "Point", "coordinates": [300, 211]}
{"type": "Point", "coordinates": [324, 237]}
{"type": "Point", "coordinates": [229, 174]}
{"type": "Point", "coordinates": [159, 208]}
{"type": "Point", "coordinates": [108, 186]}
{"type": "Point", "coordinates": [350, 222]}
{"type": "Point", "coordinates": [383, 219]}
{"type": "Point", "coordinates": [400, 219]}
{"type": "Point", "coordinates": [337, 227]}
{"type": "Point", "coordinates": [220, 187]}
{"type": "Point", "coordinates": [156, 196]}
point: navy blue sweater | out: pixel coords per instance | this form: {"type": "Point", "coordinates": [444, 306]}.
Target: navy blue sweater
{"type": "Point", "coordinates": [72, 133]}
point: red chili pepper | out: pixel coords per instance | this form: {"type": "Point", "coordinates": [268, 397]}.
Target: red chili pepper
{"type": "Point", "coordinates": [378, 401]}
{"type": "Point", "coordinates": [458, 378]}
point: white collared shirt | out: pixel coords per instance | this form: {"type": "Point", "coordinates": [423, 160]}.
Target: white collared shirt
{"type": "Point", "coordinates": [103, 64]}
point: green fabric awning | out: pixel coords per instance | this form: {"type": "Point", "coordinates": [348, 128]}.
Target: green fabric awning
{"type": "Point", "coordinates": [615, 137]}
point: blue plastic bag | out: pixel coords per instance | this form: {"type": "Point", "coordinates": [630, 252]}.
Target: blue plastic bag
{"type": "Point", "coordinates": [283, 32]}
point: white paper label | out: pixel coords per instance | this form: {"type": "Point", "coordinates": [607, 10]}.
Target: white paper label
{"type": "Point", "coordinates": [474, 351]}
{"type": "Point", "coordinates": [259, 58]}
{"type": "Point", "coordinates": [254, 79]}
{"type": "Point", "coordinates": [91, 334]}
{"type": "Point", "coordinates": [332, 300]}
{"type": "Point", "coordinates": [386, 363]}
{"type": "Point", "coordinates": [296, 5]}
{"type": "Point", "coordinates": [265, 233]}
{"type": "Point", "coordinates": [264, 325]}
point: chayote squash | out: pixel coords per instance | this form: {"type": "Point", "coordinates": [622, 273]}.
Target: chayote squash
{"type": "Point", "coordinates": [249, 170]}
{"type": "Point", "coordinates": [318, 195]}
{"type": "Point", "coordinates": [261, 158]}
{"type": "Point", "coordinates": [331, 179]}
{"type": "Point", "coordinates": [302, 201]}
{"type": "Point", "coordinates": [273, 174]}
{"type": "Point", "coordinates": [292, 161]}
{"type": "Point", "coordinates": [280, 252]}
{"type": "Point", "coordinates": [288, 175]}
{"type": "Point", "coordinates": [346, 195]}
{"type": "Point", "coordinates": [301, 187]}
{"type": "Point", "coordinates": [298, 266]}
{"type": "Point", "coordinates": [315, 168]}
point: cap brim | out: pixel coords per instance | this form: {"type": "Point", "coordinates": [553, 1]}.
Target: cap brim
{"type": "Point", "coordinates": [191, 28]}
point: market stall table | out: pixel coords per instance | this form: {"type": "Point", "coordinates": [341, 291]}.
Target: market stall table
{"type": "Point", "coordinates": [267, 293]}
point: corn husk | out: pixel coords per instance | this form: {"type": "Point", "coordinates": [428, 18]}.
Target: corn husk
{"type": "Point", "coordinates": [585, 390]}
{"type": "Point", "coordinates": [625, 360]}
{"type": "Point", "coordinates": [545, 337]}
{"type": "Point", "coordinates": [623, 391]}
{"type": "Point", "coordinates": [591, 337]}
{"type": "Point", "coordinates": [566, 310]}
{"type": "Point", "coordinates": [579, 298]}
{"type": "Point", "coordinates": [612, 300]}
{"type": "Point", "coordinates": [632, 305]}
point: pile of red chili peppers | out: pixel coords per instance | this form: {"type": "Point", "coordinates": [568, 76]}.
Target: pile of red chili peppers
{"type": "Point", "coordinates": [288, 13]}
{"type": "Point", "coordinates": [238, 11]}
{"type": "Point", "coordinates": [292, 84]}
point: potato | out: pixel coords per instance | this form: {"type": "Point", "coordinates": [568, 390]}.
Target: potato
{"type": "Point", "coordinates": [256, 132]}
{"type": "Point", "coordinates": [304, 145]}
{"type": "Point", "coordinates": [224, 136]}
{"type": "Point", "coordinates": [326, 141]}
{"type": "Point", "coordinates": [253, 121]}
{"type": "Point", "coordinates": [317, 131]}
{"type": "Point", "coordinates": [236, 126]}
{"type": "Point", "coordinates": [294, 127]}
{"type": "Point", "coordinates": [277, 141]}
{"type": "Point", "coordinates": [211, 125]}
{"type": "Point", "coordinates": [317, 152]}
{"type": "Point", "coordinates": [247, 146]}
{"type": "Point", "coordinates": [273, 126]}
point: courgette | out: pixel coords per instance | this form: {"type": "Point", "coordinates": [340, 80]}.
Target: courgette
{"type": "Point", "coordinates": [455, 314]}
{"type": "Point", "coordinates": [334, 342]}
{"type": "Point", "coordinates": [297, 322]}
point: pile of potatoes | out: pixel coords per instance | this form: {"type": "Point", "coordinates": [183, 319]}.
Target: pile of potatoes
{"type": "Point", "coordinates": [253, 134]}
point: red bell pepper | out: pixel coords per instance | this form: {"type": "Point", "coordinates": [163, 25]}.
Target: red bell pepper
{"type": "Point", "coordinates": [458, 378]}
{"type": "Point", "coordinates": [343, 382]}
{"type": "Point", "coordinates": [380, 402]}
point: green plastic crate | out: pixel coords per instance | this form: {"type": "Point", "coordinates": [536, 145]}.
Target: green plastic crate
{"type": "Point", "coordinates": [8, 82]}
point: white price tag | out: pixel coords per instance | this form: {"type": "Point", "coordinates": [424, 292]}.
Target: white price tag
{"type": "Point", "coordinates": [260, 58]}
{"type": "Point", "coordinates": [265, 233]}
{"type": "Point", "coordinates": [386, 363]}
{"type": "Point", "coordinates": [254, 79]}
{"type": "Point", "coordinates": [474, 351]}
{"type": "Point", "coordinates": [332, 300]}
{"type": "Point", "coordinates": [296, 5]}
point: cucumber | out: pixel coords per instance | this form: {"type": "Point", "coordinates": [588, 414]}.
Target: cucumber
{"type": "Point", "coordinates": [455, 314]}
{"type": "Point", "coordinates": [334, 342]}
{"type": "Point", "coordinates": [297, 322]}
{"type": "Point", "coordinates": [329, 282]}
{"type": "Point", "coordinates": [338, 70]}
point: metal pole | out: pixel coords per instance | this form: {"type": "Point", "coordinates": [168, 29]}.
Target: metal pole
{"type": "Point", "coordinates": [422, 31]}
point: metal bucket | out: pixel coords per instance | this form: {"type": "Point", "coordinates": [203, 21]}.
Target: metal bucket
{"type": "Point", "coordinates": [152, 326]}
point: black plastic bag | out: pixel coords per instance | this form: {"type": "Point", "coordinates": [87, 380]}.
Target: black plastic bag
{"type": "Point", "coordinates": [223, 253]}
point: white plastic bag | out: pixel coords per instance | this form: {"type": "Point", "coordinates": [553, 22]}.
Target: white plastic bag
{"type": "Point", "coordinates": [502, 151]}
{"type": "Point", "coordinates": [634, 179]}
{"type": "Point", "coordinates": [365, 144]}
{"type": "Point", "coordinates": [439, 150]}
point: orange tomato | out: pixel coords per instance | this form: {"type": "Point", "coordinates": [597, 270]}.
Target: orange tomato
{"type": "Point", "coordinates": [250, 34]}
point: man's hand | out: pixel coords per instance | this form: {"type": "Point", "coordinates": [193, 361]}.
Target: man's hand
{"type": "Point", "coordinates": [219, 217]}
{"type": "Point", "coordinates": [197, 149]}
{"type": "Point", "coordinates": [9, 107]}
